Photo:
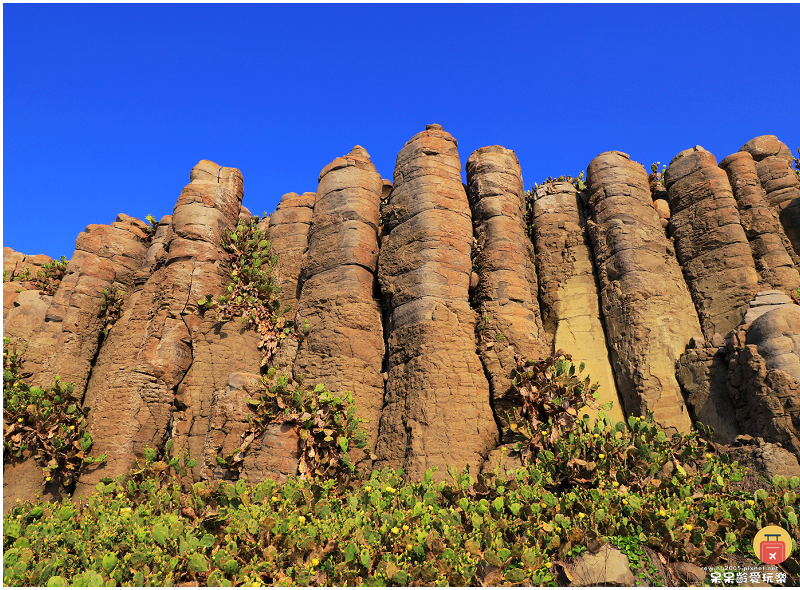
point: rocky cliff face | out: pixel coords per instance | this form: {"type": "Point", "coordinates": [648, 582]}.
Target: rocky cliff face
{"type": "Point", "coordinates": [417, 295]}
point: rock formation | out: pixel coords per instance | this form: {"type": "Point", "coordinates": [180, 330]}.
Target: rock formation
{"type": "Point", "coordinates": [648, 311]}
{"type": "Point", "coordinates": [137, 393]}
{"type": "Point", "coordinates": [771, 249]}
{"type": "Point", "coordinates": [709, 240]}
{"type": "Point", "coordinates": [436, 410]}
{"type": "Point", "coordinates": [344, 347]}
{"type": "Point", "coordinates": [774, 168]}
{"type": "Point", "coordinates": [568, 286]}
{"type": "Point", "coordinates": [416, 295]}
{"type": "Point", "coordinates": [506, 294]}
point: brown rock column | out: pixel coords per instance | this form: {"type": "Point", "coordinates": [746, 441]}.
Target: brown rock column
{"type": "Point", "coordinates": [506, 293]}
{"type": "Point", "coordinates": [709, 240]}
{"type": "Point", "coordinates": [288, 235]}
{"type": "Point", "coordinates": [106, 257]}
{"type": "Point", "coordinates": [649, 315]}
{"type": "Point", "coordinates": [568, 286]}
{"type": "Point", "coordinates": [132, 392]}
{"type": "Point", "coordinates": [437, 410]}
{"type": "Point", "coordinates": [769, 245]}
{"type": "Point", "coordinates": [344, 347]}
{"type": "Point", "coordinates": [774, 167]}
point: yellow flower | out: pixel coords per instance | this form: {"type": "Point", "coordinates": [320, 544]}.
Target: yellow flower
{"type": "Point", "coordinates": [430, 507]}
{"type": "Point", "coordinates": [709, 455]}
{"type": "Point", "coordinates": [302, 519]}
{"type": "Point", "coordinates": [368, 488]}
{"type": "Point", "coordinates": [688, 527]}
{"type": "Point", "coordinates": [390, 489]}
{"type": "Point", "coordinates": [548, 565]}
{"type": "Point", "coordinates": [581, 515]}
{"type": "Point", "coordinates": [542, 504]}
{"type": "Point", "coordinates": [602, 456]}
{"type": "Point", "coordinates": [275, 498]}
{"type": "Point", "coordinates": [595, 435]}
{"type": "Point", "coordinates": [409, 547]}
{"type": "Point", "coordinates": [315, 562]}
{"type": "Point", "coordinates": [19, 420]}
{"type": "Point", "coordinates": [48, 478]}
{"type": "Point", "coordinates": [751, 502]}
{"type": "Point", "coordinates": [624, 501]}
{"type": "Point", "coordinates": [662, 513]}
{"type": "Point", "coordinates": [405, 527]}
{"type": "Point", "coordinates": [72, 427]}
{"type": "Point", "coordinates": [395, 530]}
{"type": "Point", "coordinates": [616, 484]}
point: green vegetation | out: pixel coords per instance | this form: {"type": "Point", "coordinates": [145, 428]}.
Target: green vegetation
{"type": "Point", "coordinates": [46, 280]}
{"type": "Point", "coordinates": [152, 225]}
{"type": "Point", "coordinates": [797, 164]}
{"type": "Point", "coordinates": [253, 292]}
{"type": "Point", "coordinates": [326, 423]}
{"type": "Point", "coordinates": [582, 485]}
{"type": "Point", "coordinates": [110, 310]}
{"type": "Point", "coordinates": [43, 423]}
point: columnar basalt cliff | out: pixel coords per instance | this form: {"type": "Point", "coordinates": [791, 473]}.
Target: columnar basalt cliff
{"type": "Point", "coordinates": [417, 296]}
{"type": "Point", "coordinates": [648, 310]}
{"type": "Point", "coordinates": [344, 347]}
{"type": "Point", "coordinates": [568, 285]}
{"type": "Point", "coordinates": [436, 409]}
{"type": "Point", "coordinates": [505, 297]}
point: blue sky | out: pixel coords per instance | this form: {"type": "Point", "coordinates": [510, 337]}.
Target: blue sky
{"type": "Point", "coordinates": [107, 107]}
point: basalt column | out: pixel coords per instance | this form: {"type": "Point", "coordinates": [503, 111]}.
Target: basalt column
{"type": "Point", "coordinates": [132, 392]}
{"type": "Point", "coordinates": [568, 286]}
{"type": "Point", "coordinates": [648, 311]}
{"type": "Point", "coordinates": [769, 245]}
{"type": "Point", "coordinates": [344, 347]}
{"type": "Point", "coordinates": [709, 240]}
{"type": "Point", "coordinates": [288, 235]}
{"type": "Point", "coordinates": [774, 167]}
{"type": "Point", "coordinates": [437, 410]}
{"type": "Point", "coordinates": [505, 296]}
{"type": "Point", "coordinates": [106, 258]}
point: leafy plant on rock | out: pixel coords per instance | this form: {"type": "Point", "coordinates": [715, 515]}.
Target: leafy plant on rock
{"type": "Point", "coordinates": [110, 310]}
{"type": "Point", "coordinates": [253, 292]}
{"type": "Point", "coordinates": [151, 226]}
{"type": "Point", "coordinates": [326, 424]}
{"type": "Point", "coordinates": [45, 424]}
{"type": "Point", "coordinates": [49, 276]}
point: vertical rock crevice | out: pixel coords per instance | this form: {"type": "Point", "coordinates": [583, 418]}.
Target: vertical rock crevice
{"type": "Point", "coordinates": [648, 311]}
{"type": "Point", "coordinates": [505, 297]}
{"type": "Point", "coordinates": [568, 289]}
{"type": "Point", "coordinates": [344, 347]}
{"type": "Point", "coordinates": [437, 408]}
{"type": "Point", "coordinates": [710, 243]}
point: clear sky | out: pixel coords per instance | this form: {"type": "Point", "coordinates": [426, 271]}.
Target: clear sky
{"type": "Point", "coordinates": [107, 107]}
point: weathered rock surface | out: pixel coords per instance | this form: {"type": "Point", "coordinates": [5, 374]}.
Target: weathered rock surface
{"type": "Point", "coordinates": [774, 167]}
{"type": "Point", "coordinates": [765, 301]}
{"type": "Point", "coordinates": [649, 315]}
{"type": "Point", "coordinates": [607, 567]}
{"type": "Point", "coordinates": [769, 245]}
{"type": "Point", "coordinates": [132, 393]}
{"type": "Point", "coordinates": [703, 374]}
{"type": "Point", "coordinates": [506, 294]}
{"type": "Point", "coordinates": [437, 409]}
{"type": "Point", "coordinates": [568, 287]}
{"type": "Point", "coordinates": [275, 456]}
{"type": "Point", "coordinates": [767, 458]}
{"type": "Point", "coordinates": [16, 264]}
{"type": "Point", "coordinates": [344, 347]}
{"type": "Point", "coordinates": [23, 479]}
{"type": "Point", "coordinates": [106, 258]}
{"type": "Point", "coordinates": [288, 234]}
{"type": "Point", "coordinates": [764, 378]}
{"type": "Point", "coordinates": [709, 240]}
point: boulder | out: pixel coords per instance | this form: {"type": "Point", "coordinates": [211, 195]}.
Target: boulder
{"type": "Point", "coordinates": [568, 287]}
{"type": "Point", "coordinates": [607, 567]}
{"type": "Point", "coordinates": [648, 311]}
{"type": "Point", "coordinates": [436, 410]}
{"type": "Point", "coordinates": [710, 242]}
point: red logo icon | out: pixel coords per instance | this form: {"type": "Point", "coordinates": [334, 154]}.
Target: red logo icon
{"type": "Point", "coordinates": [773, 550]}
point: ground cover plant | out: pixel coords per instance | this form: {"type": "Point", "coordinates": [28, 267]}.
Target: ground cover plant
{"type": "Point", "coordinates": [592, 483]}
